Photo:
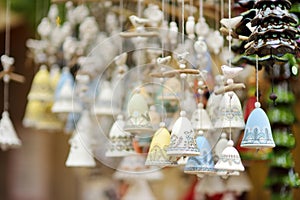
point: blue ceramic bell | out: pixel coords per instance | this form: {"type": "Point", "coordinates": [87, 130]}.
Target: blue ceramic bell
{"type": "Point", "coordinates": [204, 163]}
{"type": "Point", "coordinates": [258, 133]}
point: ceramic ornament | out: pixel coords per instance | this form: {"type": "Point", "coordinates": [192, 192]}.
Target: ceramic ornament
{"type": "Point", "coordinates": [80, 154]}
{"type": "Point", "coordinates": [200, 47]}
{"type": "Point", "coordinates": [157, 154]}
{"type": "Point", "coordinates": [139, 189]}
{"type": "Point", "coordinates": [41, 88]}
{"type": "Point", "coordinates": [230, 159]}
{"type": "Point", "coordinates": [214, 41]}
{"type": "Point", "coordinates": [133, 168]}
{"type": "Point", "coordinates": [54, 76]}
{"type": "Point", "coordinates": [230, 72]}
{"type": "Point", "coordinates": [182, 138]}
{"type": "Point", "coordinates": [154, 14]}
{"type": "Point", "coordinates": [138, 121]}
{"type": "Point", "coordinates": [173, 33]}
{"type": "Point", "coordinates": [33, 113]}
{"type": "Point", "coordinates": [64, 100]}
{"type": "Point", "coordinates": [171, 90]}
{"type": "Point", "coordinates": [8, 135]}
{"type": "Point", "coordinates": [231, 23]}
{"type": "Point", "coordinates": [202, 164]}
{"type": "Point", "coordinates": [182, 161]}
{"type": "Point", "coordinates": [220, 146]}
{"type": "Point", "coordinates": [202, 28]}
{"type": "Point", "coordinates": [105, 103]}
{"type": "Point", "coordinates": [258, 133]}
{"type": "Point", "coordinates": [200, 119]}
{"type": "Point", "coordinates": [120, 141]}
{"type": "Point", "coordinates": [190, 27]}
{"type": "Point", "coordinates": [230, 112]}
{"type": "Point", "coordinates": [65, 76]}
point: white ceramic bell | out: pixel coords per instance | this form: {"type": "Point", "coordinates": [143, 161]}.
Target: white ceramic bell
{"type": "Point", "coordinates": [182, 138]}
{"type": "Point", "coordinates": [80, 154]}
{"type": "Point", "coordinates": [202, 28]}
{"type": "Point", "coordinates": [230, 112]}
{"type": "Point", "coordinates": [120, 141]}
{"type": "Point", "coordinates": [105, 103]}
{"type": "Point", "coordinates": [220, 146]}
{"type": "Point", "coordinates": [157, 152]}
{"type": "Point", "coordinates": [138, 121]}
{"type": "Point", "coordinates": [230, 72]}
{"type": "Point", "coordinates": [214, 41]}
{"type": "Point", "coordinates": [258, 132]}
{"type": "Point", "coordinates": [200, 119]}
{"type": "Point", "coordinates": [41, 89]}
{"type": "Point", "coordinates": [202, 164]}
{"type": "Point", "coordinates": [200, 46]}
{"type": "Point", "coordinates": [8, 135]}
{"type": "Point", "coordinates": [230, 159]}
{"type": "Point", "coordinates": [139, 189]}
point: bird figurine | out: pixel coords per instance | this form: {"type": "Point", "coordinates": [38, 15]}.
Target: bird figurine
{"type": "Point", "coordinates": [230, 72]}
{"type": "Point", "coordinates": [231, 23]}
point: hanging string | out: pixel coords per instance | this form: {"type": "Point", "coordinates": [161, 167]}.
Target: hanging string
{"type": "Point", "coordinates": [256, 70]}
{"type": "Point", "coordinates": [201, 9]}
{"type": "Point", "coordinates": [162, 21]}
{"type": "Point", "coordinates": [7, 28]}
{"type": "Point", "coordinates": [182, 22]}
{"type": "Point", "coordinates": [229, 35]}
{"type": "Point", "coordinates": [191, 7]}
{"type": "Point", "coordinates": [140, 8]}
{"type": "Point", "coordinates": [217, 24]}
{"type": "Point", "coordinates": [230, 97]}
{"type": "Point", "coordinates": [173, 12]}
{"type": "Point", "coordinates": [222, 16]}
{"type": "Point", "coordinates": [121, 23]}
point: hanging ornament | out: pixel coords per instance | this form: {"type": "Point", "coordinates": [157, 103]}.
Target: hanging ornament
{"type": "Point", "coordinates": [200, 119]}
{"type": "Point", "coordinates": [210, 186]}
{"type": "Point", "coordinates": [220, 146]}
{"type": "Point", "coordinates": [202, 164]}
{"type": "Point", "coordinates": [230, 112]}
{"type": "Point", "coordinates": [258, 133]}
{"type": "Point", "coordinates": [48, 120]}
{"type": "Point", "coordinates": [8, 135]}
{"type": "Point", "coordinates": [239, 184]}
{"type": "Point", "coordinates": [182, 141]}
{"type": "Point", "coordinates": [80, 154]}
{"type": "Point", "coordinates": [41, 89]}
{"type": "Point", "coordinates": [157, 153]}
{"type": "Point", "coordinates": [190, 27]}
{"type": "Point", "coordinates": [230, 160]}
{"type": "Point", "coordinates": [138, 121]}
{"type": "Point", "coordinates": [120, 141]}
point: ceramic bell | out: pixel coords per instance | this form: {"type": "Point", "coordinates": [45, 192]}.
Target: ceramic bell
{"type": "Point", "coordinates": [202, 28]}
{"type": "Point", "coordinates": [220, 146]}
{"type": "Point", "coordinates": [173, 33]}
{"type": "Point", "coordinates": [182, 138]}
{"type": "Point", "coordinates": [64, 102]}
{"type": "Point", "coordinates": [203, 163]}
{"type": "Point", "coordinates": [230, 159]}
{"type": "Point", "coordinates": [157, 154]}
{"type": "Point", "coordinates": [120, 141]}
{"type": "Point", "coordinates": [105, 103]}
{"type": "Point", "coordinates": [258, 133]}
{"type": "Point", "coordinates": [54, 76]}
{"type": "Point", "coordinates": [33, 113]}
{"type": "Point", "coordinates": [71, 122]}
{"type": "Point", "coordinates": [138, 121]}
{"type": "Point", "coordinates": [190, 27]}
{"type": "Point", "coordinates": [80, 154]}
{"type": "Point", "coordinates": [8, 135]}
{"type": "Point", "coordinates": [65, 75]}
{"type": "Point", "coordinates": [230, 112]}
{"type": "Point", "coordinates": [139, 189]}
{"type": "Point", "coordinates": [41, 88]}
{"type": "Point", "coordinates": [200, 119]}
